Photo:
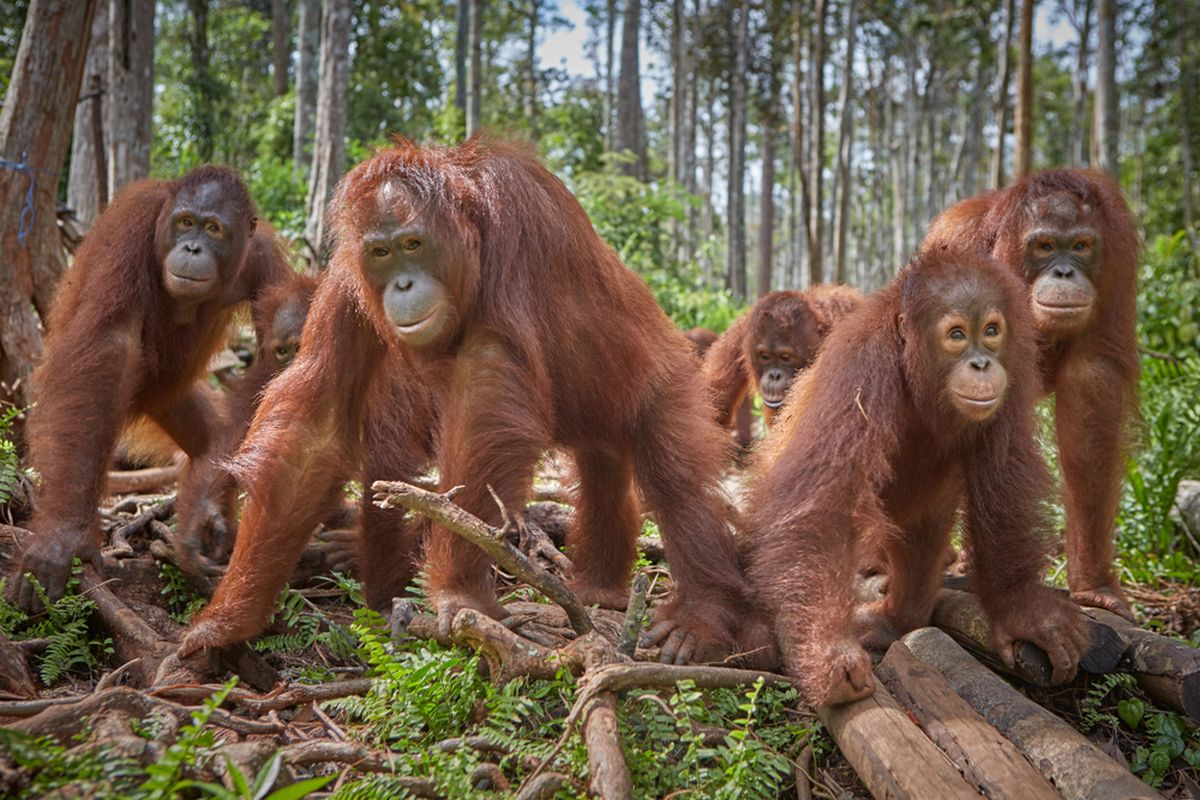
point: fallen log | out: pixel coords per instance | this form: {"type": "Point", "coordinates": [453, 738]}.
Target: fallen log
{"type": "Point", "coordinates": [1077, 768]}
{"type": "Point", "coordinates": [987, 760]}
{"type": "Point", "coordinates": [890, 753]}
{"type": "Point", "coordinates": [960, 615]}
{"type": "Point", "coordinates": [1168, 670]}
{"type": "Point", "coordinates": [140, 480]}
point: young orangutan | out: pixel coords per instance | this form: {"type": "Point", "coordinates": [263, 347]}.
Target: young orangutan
{"type": "Point", "coordinates": [920, 404]}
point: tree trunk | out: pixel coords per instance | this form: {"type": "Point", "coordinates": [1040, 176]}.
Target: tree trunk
{"type": "Point", "coordinates": [678, 103]}
{"type": "Point", "coordinates": [735, 208]}
{"type": "Point", "coordinates": [329, 143]}
{"type": "Point", "coordinates": [1107, 130]}
{"type": "Point", "coordinates": [845, 141]}
{"type": "Point", "coordinates": [1023, 160]}
{"type": "Point", "coordinates": [462, 24]}
{"type": "Point", "coordinates": [280, 51]}
{"type": "Point", "coordinates": [129, 122]}
{"type": "Point", "coordinates": [972, 148]}
{"type": "Point", "coordinates": [531, 99]}
{"type": "Point", "coordinates": [766, 226]}
{"type": "Point", "coordinates": [1187, 77]}
{"type": "Point", "coordinates": [35, 132]}
{"type": "Point", "coordinates": [1079, 89]}
{"type": "Point", "coordinates": [708, 172]}
{"type": "Point", "coordinates": [816, 151]}
{"type": "Point", "coordinates": [799, 142]}
{"type": "Point", "coordinates": [1001, 108]}
{"type": "Point", "coordinates": [307, 77]}
{"type": "Point", "coordinates": [610, 93]}
{"type": "Point", "coordinates": [475, 73]}
{"type": "Point", "coordinates": [630, 133]}
{"type": "Point", "coordinates": [88, 178]}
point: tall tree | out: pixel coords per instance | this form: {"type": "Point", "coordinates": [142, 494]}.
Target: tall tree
{"type": "Point", "coordinates": [329, 143]}
{"type": "Point", "coordinates": [87, 180]}
{"type": "Point", "coordinates": [35, 132]}
{"type": "Point", "coordinates": [610, 90]}
{"type": "Point", "coordinates": [769, 117]}
{"type": "Point", "coordinates": [475, 73]}
{"type": "Point", "coordinates": [531, 74]}
{"type": "Point", "coordinates": [1022, 161]}
{"type": "Point", "coordinates": [1186, 87]}
{"type": "Point", "coordinates": [462, 24]}
{"type": "Point", "coordinates": [735, 222]}
{"type": "Point", "coordinates": [816, 150]}
{"type": "Point", "coordinates": [1001, 107]}
{"type": "Point", "coordinates": [308, 76]}
{"type": "Point", "coordinates": [280, 51]}
{"type": "Point", "coordinates": [203, 87]}
{"type": "Point", "coordinates": [630, 132]}
{"type": "Point", "coordinates": [1108, 125]}
{"type": "Point", "coordinates": [845, 142]}
{"type": "Point", "coordinates": [129, 122]}
{"type": "Point", "coordinates": [1081, 16]}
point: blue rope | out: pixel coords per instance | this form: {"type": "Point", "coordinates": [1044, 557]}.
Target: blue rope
{"type": "Point", "coordinates": [25, 225]}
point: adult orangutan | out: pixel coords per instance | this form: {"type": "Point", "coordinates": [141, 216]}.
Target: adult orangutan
{"type": "Point", "coordinates": [764, 349]}
{"type": "Point", "coordinates": [133, 327]}
{"type": "Point", "coordinates": [921, 403]}
{"type": "Point", "coordinates": [206, 509]}
{"type": "Point", "coordinates": [472, 315]}
{"type": "Point", "coordinates": [1069, 235]}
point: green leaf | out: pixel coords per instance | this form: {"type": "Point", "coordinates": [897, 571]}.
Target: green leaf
{"type": "Point", "coordinates": [267, 775]}
{"type": "Point", "coordinates": [1131, 711]}
{"type": "Point", "coordinates": [300, 789]}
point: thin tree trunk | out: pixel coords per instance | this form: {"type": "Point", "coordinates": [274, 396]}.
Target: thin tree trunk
{"type": "Point", "coordinates": [630, 133]}
{"type": "Point", "coordinates": [462, 23]}
{"type": "Point", "coordinates": [1107, 121]}
{"type": "Point", "coordinates": [845, 141]}
{"type": "Point", "coordinates": [475, 73]}
{"type": "Point", "coordinates": [129, 115]}
{"type": "Point", "coordinates": [972, 147]}
{"type": "Point", "coordinates": [35, 132]}
{"type": "Point", "coordinates": [308, 76]}
{"type": "Point", "coordinates": [202, 84]}
{"type": "Point", "coordinates": [280, 51]}
{"type": "Point", "coordinates": [88, 179]}
{"type": "Point", "coordinates": [708, 183]}
{"type": "Point", "coordinates": [735, 214]}
{"type": "Point", "coordinates": [610, 91]}
{"type": "Point", "coordinates": [1079, 89]}
{"type": "Point", "coordinates": [799, 139]}
{"type": "Point", "coordinates": [1187, 77]}
{"type": "Point", "coordinates": [1001, 107]}
{"type": "Point", "coordinates": [679, 77]}
{"type": "Point", "coordinates": [816, 152]}
{"type": "Point", "coordinates": [531, 98]}
{"type": "Point", "coordinates": [1023, 160]}
{"type": "Point", "coordinates": [329, 143]}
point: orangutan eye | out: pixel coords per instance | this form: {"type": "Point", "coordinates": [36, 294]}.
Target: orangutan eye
{"type": "Point", "coordinates": [957, 334]}
{"type": "Point", "coordinates": [991, 330]}
{"type": "Point", "coordinates": [379, 252]}
{"type": "Point", "coordinates": [764, 357]}
{"type": "Point", "coordinates": [1046, 247]}
{"type": "Point", "coordinates": [412, 245]}
{"type": "Point", "coordinates": [1081, 245]}
{"type": "Point", "coordinates": [213, 228]}
{"type": "Point", "coordinates": [186, 222]}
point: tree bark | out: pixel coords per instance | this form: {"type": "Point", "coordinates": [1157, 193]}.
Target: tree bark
{"type": "Point", "coordinates": [531, 99]}
{"type": "Point", "coordinates": [766, 225]}
{"type": "Point", "coordinates": [845, 142]}
{"type": "Point", "coordinates": [1001, 108]}
{"type": "Point", "coordinates": [799, 141]}
{"type": "Point", "coordinates": [610, 93]}
{"type": "Point", "coordinates": [462, 24]}
{"type": "Point", "coordinates": [1108, 123]}
{"type": "Point", "coordinates": [816, 151]}
{"type": "Point", "coordinates": [630, 131]}
{"type": "Point", "coordinates": [1187, 79]}
{"type": "Point", "coordinates": [129, 121]}
{"type": "Point", "coordinates": [87, 179]}
{"type": "Point", "coordinates": [280, 51]}
{"type": "Point", "coordinates": [307, 77]}
{"type": "Point", "coordinates": [1079, 88]}
{"type": "Point", "coordinates": [1023, 159]}
{"type": "Point", "coordinates": [202, 86]}
{"type": "Point", "coordinates": [735, 208]}
{"type": "Point", "coordinates": [329, 144]}
{"type": "Point", "coordinates": [35, 132]}
{"type": "Point", "coordinates": [475, 72]}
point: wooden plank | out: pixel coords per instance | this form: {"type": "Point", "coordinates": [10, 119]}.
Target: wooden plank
{"type": "Point", "coordinates": [987, 760]}
{"type": "Point", "coordinates": [960, 615]}
{"type": "Point", "coordinates": [891, 755]}
{"type": "Point", "coordinates": [1168, 670]}
{"type": "Point", "coordinates": [1077, 768]}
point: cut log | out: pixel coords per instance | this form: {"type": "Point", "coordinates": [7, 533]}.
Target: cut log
{"type": "Point", "coordinates": [889, 752]}
{"type": "Point", "coordinates": [1168, 670]}
{"type": "Point", "coordinates": [960, 615]}
{"type": "Point", "coordinates": [1077, 768]}
{"type": "Point", "coordinates": [987, 760]}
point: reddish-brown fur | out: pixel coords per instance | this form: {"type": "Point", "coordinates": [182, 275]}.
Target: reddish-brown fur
{"type": "Point", "coordinates": [1093, 372]}
{"type": "Point", "coordinates": [117, 347]}
{"type": "Point", "coordinates": [867, 451]}
{"type": "Point", "coordinates": [702, 340]}
{"type": "Point", "coordinates": [552, 342]}
{"type": "Point", "coordinates": [779, 336]}
{"type": "Point", "coordinates": [207, 504]}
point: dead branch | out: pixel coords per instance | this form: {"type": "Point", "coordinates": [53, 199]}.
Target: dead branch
{"type": "Point", "coordinates": [440, 509]}
{"type": "Point", "coordinates": [141, 480]}
{"type": "Point", "coordinates": [634, 614]}
{"type": "Point", "coordinates": [608, 773]}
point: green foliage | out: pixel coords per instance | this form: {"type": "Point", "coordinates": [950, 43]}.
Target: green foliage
{"type": "Point", "coordinates": [72, 646]}
{"type": "Point", "coordinates": [182, 600]}
{"type": "Point", "coordinates": [50, 770]}
{"type": "Point", "coordinates": [190, 748]}
{"type": "Point", "coordinates": [1169, 297]}
{"type": "Point", "coordinates": [10, 461]}
{"type": "Point", "coordinates": [260, 789]}
{"type": "Point", "coordinates": [308, 626]}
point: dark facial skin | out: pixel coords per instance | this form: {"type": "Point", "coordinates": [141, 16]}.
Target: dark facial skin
{"type": "Point", "coordinates": [1062, 255]}
{"type": "Point", "coordinates": [285, 332]}
{"type": "Point", "coordinates": [202, 244]}
{"type": "Point", "coordinates": [402, 257]}
{"type": "Point", "coordinates": [776, 364]}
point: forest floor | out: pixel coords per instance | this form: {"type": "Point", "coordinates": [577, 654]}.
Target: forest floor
{"type": "Point", "coordinates": [335, 699]}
